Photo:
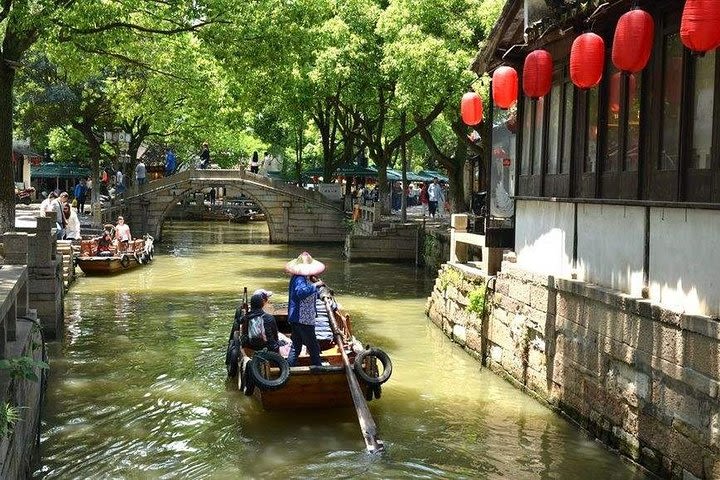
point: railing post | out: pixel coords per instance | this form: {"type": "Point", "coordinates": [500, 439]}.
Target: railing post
{"type": "Point", "coordinates": [458, 250]}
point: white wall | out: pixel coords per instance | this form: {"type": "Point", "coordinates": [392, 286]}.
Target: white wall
{"type": "Point", "coordinates": [544, 236]}
{"type": "Point", "coordinates": [685, 259]}
{"type": "Point", "coordinates": [611, 244]}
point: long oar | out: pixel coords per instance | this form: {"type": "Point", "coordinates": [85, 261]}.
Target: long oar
{"type": "Point", "coordinates": [365, 419]}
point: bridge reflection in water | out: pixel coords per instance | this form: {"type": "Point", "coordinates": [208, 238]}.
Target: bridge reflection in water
{"type": "Point", "coordinates": [138, 386]}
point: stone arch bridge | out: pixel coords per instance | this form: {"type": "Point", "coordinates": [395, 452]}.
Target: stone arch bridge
{"type": "Point", "coordinates": [293, 213]}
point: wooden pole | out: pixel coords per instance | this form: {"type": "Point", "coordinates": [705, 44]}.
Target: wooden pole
{"type": "Point", "coordinates": [365, 419]}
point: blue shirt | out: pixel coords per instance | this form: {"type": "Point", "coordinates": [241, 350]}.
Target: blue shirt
{"type": "Point", "coordinates": [301, 301]}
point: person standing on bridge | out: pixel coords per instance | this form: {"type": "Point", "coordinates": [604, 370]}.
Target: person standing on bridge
{"type": "Point", "coordinates": [255, 163]}
{"type": "Point", "coordinates": [205, 156]}
{"type": "Point", "coordinates": [140, 173]}
{"type": "Point", "coordinates": [170, 162]}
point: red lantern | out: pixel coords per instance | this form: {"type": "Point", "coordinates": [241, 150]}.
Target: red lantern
{"type": "Point", "coordinates": [633, 41]}
{"type": "Point", "coordinates": [471, 108]}
{"type": "Point", "coordinates": [587, 60]}
{"type": "Point", "coordinates": [537, 74]}
{"type": "Point", "coordinates": [700, 25]}
{"type": "Point", "coordinates": [505, 86]}
{"type": "Point", "coordinates": [615, 90]}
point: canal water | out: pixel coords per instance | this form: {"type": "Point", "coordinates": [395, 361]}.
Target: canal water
{"type": "Point", "coordinates": [138, 388]}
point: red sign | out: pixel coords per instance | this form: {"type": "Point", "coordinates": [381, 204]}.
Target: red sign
{"type": "Point", "coordinates": [506, 162]}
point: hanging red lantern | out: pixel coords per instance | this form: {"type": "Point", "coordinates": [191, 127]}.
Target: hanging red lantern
{"type": "Point", "coordinates": [587, 60]}
{"type": "Point", "coordinates": [700, 25]}
{"type": "Point", "coordinates": [537, 74]}
{"type": "Point", "coordinates": [615, 90]}
{"type": "Point", "coordinates": [633, 41]}
{"type": "Point", "coordinates": [505, 86]}
{"type": "Point", "coordinates": [471, 108]}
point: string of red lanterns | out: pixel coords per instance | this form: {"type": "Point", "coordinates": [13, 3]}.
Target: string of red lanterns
{"type": "Point", "coordinates": [632, 47]}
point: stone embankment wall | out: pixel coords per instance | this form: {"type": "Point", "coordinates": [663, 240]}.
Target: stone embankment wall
{"type": "Point", "coordinates": [642, 379]}
{"type": "Point", "coordinates": [398, 242]}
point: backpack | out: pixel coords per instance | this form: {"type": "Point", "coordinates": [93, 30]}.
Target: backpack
{"type": "Point", "coordinates": [256, 331]}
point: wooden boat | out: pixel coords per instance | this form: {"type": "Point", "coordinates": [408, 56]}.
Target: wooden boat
{"type": "Point", "coordinates": [349, 375]}
{"type": "Point", "coordinates": [137, 252]}
{"type": "Point", "coordinates": [311, 386]}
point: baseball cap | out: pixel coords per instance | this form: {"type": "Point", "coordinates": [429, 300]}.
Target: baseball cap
{"type": "Point", "coordinates": [263, 293]}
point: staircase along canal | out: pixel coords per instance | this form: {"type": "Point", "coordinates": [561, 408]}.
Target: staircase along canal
{"type": "Point", "coordinates": [138, 388]}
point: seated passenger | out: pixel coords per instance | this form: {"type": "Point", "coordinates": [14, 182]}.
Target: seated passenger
{"type": "Point", "coordinates": [259, 329]}
{"type": "Point", "coordinates": [103, 245]}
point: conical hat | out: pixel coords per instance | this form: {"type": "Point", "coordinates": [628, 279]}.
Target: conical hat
{"type": "Point", "coordinates": [305, 265]}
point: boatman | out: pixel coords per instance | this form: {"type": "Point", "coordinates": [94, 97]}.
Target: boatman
{"type": "Point", "coordinates": [302, 294]}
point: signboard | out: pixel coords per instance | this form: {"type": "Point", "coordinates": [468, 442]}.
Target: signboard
{"type": "Point", "coordinates": [331, 191]}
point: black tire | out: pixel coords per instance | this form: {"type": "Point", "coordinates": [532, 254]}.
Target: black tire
{"type": "Point", "coordinates": [256, 366]}
{"type": "Point", "coordinates": [231, 359]}
{"type": "Point", "coordinates": [125, 261]}
{"type": "Point", "coordinates": [365, 376]}
{"type": "Point", "coordinates": [377, 391]}
{"type": "Point", "coordinates": [248, 386]}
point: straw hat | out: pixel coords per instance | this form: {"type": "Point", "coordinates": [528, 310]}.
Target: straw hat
{"type": "Point", "coordinates": [304, 265]}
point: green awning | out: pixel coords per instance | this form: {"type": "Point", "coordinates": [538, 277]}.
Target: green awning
{"type": "Point", "coordinates": [430, 174]}
{"type": "Point", "coordinates": [411, 176]}
{"type": "Point", "coordinates": [59, 170]}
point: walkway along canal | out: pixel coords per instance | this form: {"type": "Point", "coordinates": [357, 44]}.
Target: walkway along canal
{"type": "Point", "coordinates": [138, 386]}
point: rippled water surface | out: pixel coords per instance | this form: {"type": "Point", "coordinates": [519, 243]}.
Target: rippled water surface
{"type": "Point", "coordinates": [138, 386]}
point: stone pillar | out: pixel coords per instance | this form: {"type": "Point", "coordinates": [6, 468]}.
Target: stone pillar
{"type": "Point", "coordinates": [45, 277]}
{"type": "Point", "coordinates": [16, 248]}
{"type": "Point", "coordinates": [458, 250]}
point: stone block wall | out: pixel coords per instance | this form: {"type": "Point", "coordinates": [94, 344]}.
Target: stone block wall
{"type": "Point", "coordinates": [394, 243]}
{"type": "Point", "coordinates": [642, 379]}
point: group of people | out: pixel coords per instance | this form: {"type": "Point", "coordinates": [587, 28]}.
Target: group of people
{"type": "Point", "coordinates": [67, 223]}
{"type": "Point", "coordinates": [119, 233]}
{"type": "Point", "coordinates": [258, 329]}
{"type": "Point", "coordinates": [432, 196]}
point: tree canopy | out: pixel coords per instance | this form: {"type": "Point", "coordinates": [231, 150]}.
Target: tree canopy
{"type": "Point", "coordinates": [316, 82]}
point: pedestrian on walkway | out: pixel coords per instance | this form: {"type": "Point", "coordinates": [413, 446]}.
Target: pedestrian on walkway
{"type": "Point", "coordinates": [140, 173]}
{"type": "Point", "coordinates": [80, 195]}
{"type": "Point", "coordinates": [435, 196]}
{"type": "Point", "coordinates": [423, 196]}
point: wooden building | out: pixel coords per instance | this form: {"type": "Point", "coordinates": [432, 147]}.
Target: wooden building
{"type": "Point", "coordinates": [618, 185]}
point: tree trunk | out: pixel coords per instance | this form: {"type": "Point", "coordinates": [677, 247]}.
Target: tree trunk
{"type": "Point", "coordinates": [456, 174]}
{"type": "Point", "coordinates": [7, 185]}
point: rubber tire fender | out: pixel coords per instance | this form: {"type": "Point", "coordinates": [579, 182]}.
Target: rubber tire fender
{"type": "Point", "coordinates": [231, 359]}
{"type": "Point", "coordinates": [248, 387]}
{"type": "Point", "coordinates": [125, 261]}
{"type": "Point", "coordinates": [384, 359]}
{"type": "Point", "coordinates": [255, 368]}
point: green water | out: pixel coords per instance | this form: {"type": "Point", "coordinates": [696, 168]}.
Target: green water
{"type": "Point", "coordinates": [138, 386]}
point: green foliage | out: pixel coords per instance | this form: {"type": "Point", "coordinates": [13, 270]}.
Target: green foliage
{"type": "Point", "coordinates": [9, 416]}
{"type": "Point", "coordinates": [23, 367]}
{"type": "Point", "coordinates": [450, 276]}
{"type": "Point", "coordinates": [476, 301]}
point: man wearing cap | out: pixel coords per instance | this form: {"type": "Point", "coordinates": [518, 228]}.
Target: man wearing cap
{"type": "Point", "coordinates": [302, 294]}
{"type": "Point", "coordinates": [258, 300]}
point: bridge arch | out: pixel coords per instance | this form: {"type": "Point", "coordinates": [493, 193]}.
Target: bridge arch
{"type": "Point", "coordinates": [293, 213]}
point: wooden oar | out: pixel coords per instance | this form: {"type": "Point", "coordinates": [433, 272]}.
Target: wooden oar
{"type": "Point", "coordinates": [365, 419]}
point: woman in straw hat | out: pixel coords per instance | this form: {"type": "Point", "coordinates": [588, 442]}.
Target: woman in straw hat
{"type": "Point", "coordinates": [302, 294]}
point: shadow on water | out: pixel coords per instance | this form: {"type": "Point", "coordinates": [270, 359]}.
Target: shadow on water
{"type": "Point", "coordinates": [138, 386]}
